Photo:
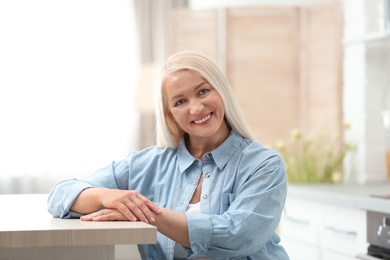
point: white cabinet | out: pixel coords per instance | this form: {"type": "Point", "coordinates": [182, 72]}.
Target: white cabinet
{"type": "Point", "coordinates": [299, 229]}
{"type": "Point", "coordinates": [298, 250]}
{"type": "Point", "coordinates": [313, 230]}
{"type": "Point", "coordinates": [330, 255]}
{"type": "Point", "coordinates": [343, 230]}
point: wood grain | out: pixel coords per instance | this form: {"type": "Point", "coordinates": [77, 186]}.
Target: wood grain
{"type": "Point", "coordinates": [28, 231]}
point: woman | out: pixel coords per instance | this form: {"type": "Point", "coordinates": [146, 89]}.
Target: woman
{"type": "Point", "coordinates": [209, 188]}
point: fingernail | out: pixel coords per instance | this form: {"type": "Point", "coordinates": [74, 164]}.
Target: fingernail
{"type": "Point", "coordinates": [152, 219]}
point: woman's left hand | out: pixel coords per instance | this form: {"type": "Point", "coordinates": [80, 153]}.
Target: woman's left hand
{"type": "Point", "coordinates": [105, 215]}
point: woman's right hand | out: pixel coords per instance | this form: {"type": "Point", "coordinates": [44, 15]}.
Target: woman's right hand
{"type": "Point", "coordinates": [130, 203]}
{"type": "Point", "coordinates": [133, 205]}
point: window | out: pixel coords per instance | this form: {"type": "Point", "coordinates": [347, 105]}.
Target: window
{"type": "Point", "coordinates": [67, 69]}
{"type": "Point", "coordinates": [387, 15]}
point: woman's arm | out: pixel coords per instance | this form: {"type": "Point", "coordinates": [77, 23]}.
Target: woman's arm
{"type": "Point", "coordinates": [170, 223]}
{"type": "Point", "coordinates": [133, 205]}
{"type": "Point", "coordinates": [107, 187]}
{"type": "Point", "coordinates": [173, 225]}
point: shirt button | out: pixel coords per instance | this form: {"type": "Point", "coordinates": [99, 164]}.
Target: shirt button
{"type": "Point", "coordinates": [205, 196]}
{"type": "Point", "coordinates": [208, 156]}
{"type": "Point", "coordinates": [208, 175]}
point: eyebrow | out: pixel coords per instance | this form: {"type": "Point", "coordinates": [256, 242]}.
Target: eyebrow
{"type": "Point", "coordinates": [195, 88]}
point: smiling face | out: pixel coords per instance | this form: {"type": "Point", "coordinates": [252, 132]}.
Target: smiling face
{"type": "Point", "coordinates": [195, 106]}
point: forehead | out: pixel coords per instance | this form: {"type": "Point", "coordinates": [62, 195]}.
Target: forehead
{"type": "Point", "coordinates": [182, 77]}
{"type": "Point", "coordinates": [181, 81]}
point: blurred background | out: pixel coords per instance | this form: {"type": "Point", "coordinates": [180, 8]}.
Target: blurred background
{"type": "Point", "coordinates": [77, 83]}
{"type": "Point", "coordinates": [77, 78]}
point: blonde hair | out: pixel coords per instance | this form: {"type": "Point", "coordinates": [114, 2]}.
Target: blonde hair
{"type": "Point", "coordinates": [168, 132]}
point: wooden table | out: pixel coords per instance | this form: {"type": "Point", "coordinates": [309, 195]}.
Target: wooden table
{"type": "Point", "coordinates": [28, 231]}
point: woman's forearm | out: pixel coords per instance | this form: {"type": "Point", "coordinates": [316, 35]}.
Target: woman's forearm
{"type": "Point", "coordinates": [133, 205]}
{"type": "Point", "coordinates": [173, 225]}
{"type": "Point", "coordinates": [88, 201]}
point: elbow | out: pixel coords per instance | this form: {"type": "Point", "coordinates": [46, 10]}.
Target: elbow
{"type": "Point", "coordinates": [54, 206]}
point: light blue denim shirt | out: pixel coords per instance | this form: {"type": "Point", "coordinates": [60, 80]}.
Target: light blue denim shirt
{"type": "Point", "coordinates": [243, 194]}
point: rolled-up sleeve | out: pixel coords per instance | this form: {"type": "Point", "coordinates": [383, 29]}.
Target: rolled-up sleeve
{"type": "Point", "coordinates": [251, 218]}
{"type": "Point", "coordinates": [63, 195]}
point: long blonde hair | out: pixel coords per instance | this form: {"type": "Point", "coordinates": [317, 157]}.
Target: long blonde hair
{"type": "Point", "coordinates": [168, 132]}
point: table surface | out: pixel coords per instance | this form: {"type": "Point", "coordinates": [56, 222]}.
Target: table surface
{"type": "Point", "coordinates": [25, 222]}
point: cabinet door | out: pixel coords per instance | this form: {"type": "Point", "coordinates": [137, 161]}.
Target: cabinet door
{"type": "Point", "coordinates": [334, 232]}
{"type": "Point", "coordinates": [300, 221]}
{"type": "Point", "coordinates": [297, 250]}
{"type": "Point", "coordinates": [343, 230]}
{"type": "Point", "coordinates": [326, 254]}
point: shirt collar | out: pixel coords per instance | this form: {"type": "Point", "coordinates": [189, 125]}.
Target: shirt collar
{"type": "Point", "coordinates": [221, 154]}
{"type": "Point", "coordinates": [184, 157]}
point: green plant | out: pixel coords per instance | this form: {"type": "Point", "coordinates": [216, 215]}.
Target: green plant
{"type": "Point", "coordinates": [314, 159]}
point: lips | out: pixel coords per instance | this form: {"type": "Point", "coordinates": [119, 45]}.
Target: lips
{"type": "Point", "coordinates": [202, 120]}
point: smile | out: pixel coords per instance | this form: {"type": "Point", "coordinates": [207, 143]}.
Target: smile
{"type": "Point", "coordinates": [203, 119]}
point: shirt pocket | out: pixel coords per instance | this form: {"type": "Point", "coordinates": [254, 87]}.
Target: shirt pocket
{"type": "Point", "coordinates": [226, 200]}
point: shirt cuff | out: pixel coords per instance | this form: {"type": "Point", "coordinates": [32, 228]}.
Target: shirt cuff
{"type": "Point", "coordinates": [69, 198]}
{"type": "Point", "coordinates": [200, 233]}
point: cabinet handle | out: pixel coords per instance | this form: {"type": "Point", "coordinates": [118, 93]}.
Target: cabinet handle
{"type": "Point", "coordinates": [341, 231]}
{"type": "Point", "coordinates": [298, 220]}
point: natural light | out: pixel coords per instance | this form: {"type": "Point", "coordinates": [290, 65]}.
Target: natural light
{"type": "Point", "coordinates": [67, 74]}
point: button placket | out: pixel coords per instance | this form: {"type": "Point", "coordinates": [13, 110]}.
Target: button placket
{"type": "Point", "coordinates": [191, 183]}
{"type": "Point", "coordinates": [205, 197]}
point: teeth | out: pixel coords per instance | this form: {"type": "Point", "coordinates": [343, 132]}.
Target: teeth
{"type": "Point", "coordinates": [202, 120]}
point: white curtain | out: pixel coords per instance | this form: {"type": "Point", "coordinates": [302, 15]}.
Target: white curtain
{"type": "Point", "coordinates": [67, 75]}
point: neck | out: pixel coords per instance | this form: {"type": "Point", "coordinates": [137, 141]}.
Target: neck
{"type": "Point", "coordinates": [198, 146]}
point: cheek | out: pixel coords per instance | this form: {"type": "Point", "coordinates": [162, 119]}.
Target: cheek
{"type": "Point", "coordinates": [175, 115]}
{"type": "Point", "coordinates": [218, 104]}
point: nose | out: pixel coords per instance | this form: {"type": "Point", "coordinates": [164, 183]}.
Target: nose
{"type": "Point", "coordinates": [196, 107]}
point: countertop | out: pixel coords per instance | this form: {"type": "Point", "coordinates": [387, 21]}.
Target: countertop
{"type": "Point", "coordinates": [365, 197]}
{"type": "Point", "coordinates": [25, 222]}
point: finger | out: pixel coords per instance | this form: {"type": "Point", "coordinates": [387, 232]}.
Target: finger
{"type": "Point", "coordinates": [151, 206]}
{"type": "Point", "coordinates": [88, 217]}
{"type": "Point", "coordinates": [122, 208]}
{"type": "Point", "coordinates": [146, 205]}
{"type": "Point", "coordinates": [113, 215]}
{"type": "Point", "coordinates": [140, 210]}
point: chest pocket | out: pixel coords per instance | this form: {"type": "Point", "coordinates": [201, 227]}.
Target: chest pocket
{"type": "Point", "coordinates": [226, 200]}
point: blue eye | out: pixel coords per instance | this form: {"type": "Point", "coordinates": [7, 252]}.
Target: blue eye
{"type": "Point", "coordinates": [203, 91]}
{"type": "Point", "coordinates": [178, 103]}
